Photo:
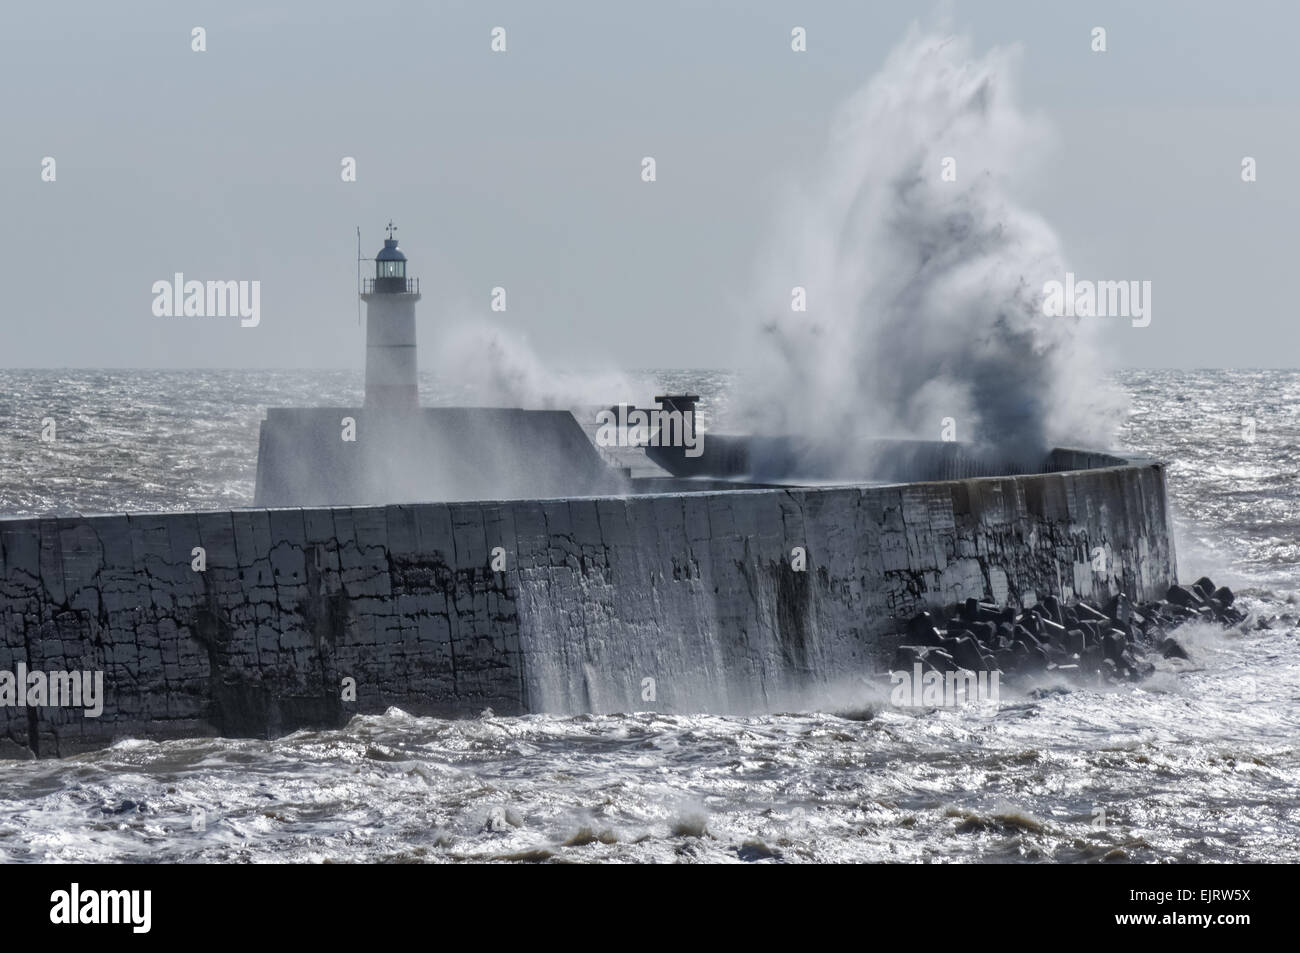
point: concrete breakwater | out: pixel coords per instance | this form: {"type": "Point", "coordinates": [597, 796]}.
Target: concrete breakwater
{"type": "Point", "coordinates": [260, 621]}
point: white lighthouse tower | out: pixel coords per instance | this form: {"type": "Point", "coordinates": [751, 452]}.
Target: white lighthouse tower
{"type": "Point", "coordinates": [390, 296]}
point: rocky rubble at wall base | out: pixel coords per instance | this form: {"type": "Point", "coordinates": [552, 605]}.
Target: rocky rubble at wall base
{"type": "Point", "coordinates": [1114, 643]}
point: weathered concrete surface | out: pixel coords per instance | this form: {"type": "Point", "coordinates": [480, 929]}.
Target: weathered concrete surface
{"type": "Point", "coordinates": [694, 591]}
{"type": "Point", "coordinates": [336, 456]}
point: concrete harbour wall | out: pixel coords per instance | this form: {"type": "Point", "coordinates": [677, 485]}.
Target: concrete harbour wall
{"type": "Point", "coordinates": [694, 590]}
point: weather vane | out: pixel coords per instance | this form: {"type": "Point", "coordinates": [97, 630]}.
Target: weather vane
{"type": "Point", "coordinates": [391, 228]}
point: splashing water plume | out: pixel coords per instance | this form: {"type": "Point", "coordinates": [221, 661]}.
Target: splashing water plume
{"type": "Point", "coordinates": [924, 293]}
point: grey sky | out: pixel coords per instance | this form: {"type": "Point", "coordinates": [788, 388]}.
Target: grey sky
{"type": "Point", "coordinates": [523, 169]}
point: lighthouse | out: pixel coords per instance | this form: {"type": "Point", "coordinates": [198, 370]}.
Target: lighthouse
{"type": "Point", "coordinates": [391, 450]}
{"type": "Point", "coordinates": [390, 298]}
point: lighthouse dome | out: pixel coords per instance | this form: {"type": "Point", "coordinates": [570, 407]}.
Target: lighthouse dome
{"type": "Point", "coordinates": [390, 251]}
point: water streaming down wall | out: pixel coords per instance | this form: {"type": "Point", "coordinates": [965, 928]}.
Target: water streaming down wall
{"type": "Point", "coordinates": [697, 593]}
{"type": "Point", "coordinates": [693, 590]}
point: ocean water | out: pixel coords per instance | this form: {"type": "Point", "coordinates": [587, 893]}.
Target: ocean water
{"type": "Point", "coordinates": [1200, 763]}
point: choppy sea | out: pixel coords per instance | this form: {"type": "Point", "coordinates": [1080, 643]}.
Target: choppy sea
{"type": "Point", "coordinates": [1200, 763]}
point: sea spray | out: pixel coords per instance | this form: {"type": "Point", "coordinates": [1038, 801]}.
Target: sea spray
{"type": "Point", "coordinates": [921, 279]}
{"type": "Point", "coordinates": [488, 366]}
